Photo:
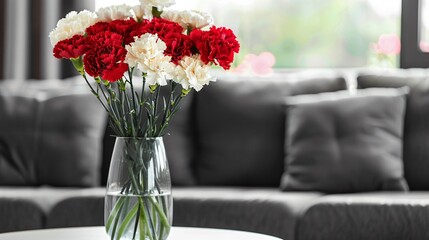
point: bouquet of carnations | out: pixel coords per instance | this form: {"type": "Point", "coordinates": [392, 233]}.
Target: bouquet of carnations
{"type": "Point", "coordinates": [170, 48]}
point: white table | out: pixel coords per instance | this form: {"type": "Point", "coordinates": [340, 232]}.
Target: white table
{"type": "Point", "coordinates": [98, 233]}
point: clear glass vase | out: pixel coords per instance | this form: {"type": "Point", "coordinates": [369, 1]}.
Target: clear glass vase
{"type": "Point", "coordinates": [138, 203]}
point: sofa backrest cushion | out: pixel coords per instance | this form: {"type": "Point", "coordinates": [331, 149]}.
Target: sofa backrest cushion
{"type": "Point", "coordinates": [50, 134]}
{"type": "Point", "coordinates": [179, 142]}
{"type": "Point", "coordinates": [19, 124]}
{"type": "Point", "coordinates": [416, 125]}
{"type": "Point", "coordinates": [240, 127]}
{"type": "Point", "coordinates": [339, 143]}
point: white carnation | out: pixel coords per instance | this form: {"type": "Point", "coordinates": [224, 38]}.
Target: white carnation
{"type": "Point", "coordinates": [159, 4]}
{"type": "Point", "coordinates": [142, 12]}
{"type": "Point", "coordinates": [74, 23]}
{"type": "Point", "coordinates": [144, 47]}
{"type": "Point", "coordinates": [172, 15]}
{"type": "Point", "coordinates": [147, 54]}
{"type": "Point", "coordinates": [158, 70]}
{"type": "Point", "coordinates": [189, 19]}
{"type": "Point", "coordinates": [193, 73]}
{"type": "Point", "coordinates": [118, 12]}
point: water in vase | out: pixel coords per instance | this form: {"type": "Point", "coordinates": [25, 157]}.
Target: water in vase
{"type": "Point", "coordinates": [137, 217]}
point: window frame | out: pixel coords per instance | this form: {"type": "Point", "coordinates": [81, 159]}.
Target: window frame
{"type": "Point", "coordinates": [411, 55]}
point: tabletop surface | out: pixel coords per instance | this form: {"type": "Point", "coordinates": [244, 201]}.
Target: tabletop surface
{"type": "Point", "coordinates": [91, 233]}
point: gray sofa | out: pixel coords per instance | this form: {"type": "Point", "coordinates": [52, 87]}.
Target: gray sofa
{"type": "Point", "coordinates": [229, 154]}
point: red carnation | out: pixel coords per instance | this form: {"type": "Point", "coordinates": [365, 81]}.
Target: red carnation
{"type": "Point", "coordinates": [106, 57]}
{"type": "Point", "coordinates": [71, 48]}
{"type": "Point", "coordinates": [97, 28]}
{"type": "Point", "coordinates": [178, 46]}
{"type": "Point", "coordinates": [124, 28]}
{"type": "Point", "coordinates": [217, 45]}
{"type": "Point", "coordinates": [158, 26]}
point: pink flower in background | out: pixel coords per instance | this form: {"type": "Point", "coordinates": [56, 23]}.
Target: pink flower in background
{"type": "Point", "coordinates": [261, 64]}
{"type": "Point", "coordinates": [388, 44]}
{"type": "Point", "coordinates": [424, 46]}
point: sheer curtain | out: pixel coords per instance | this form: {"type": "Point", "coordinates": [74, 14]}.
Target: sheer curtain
{"type": "Point", "coordinates": [25, 49]}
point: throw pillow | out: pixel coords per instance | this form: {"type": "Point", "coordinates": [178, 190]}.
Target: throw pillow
{"type": "Point", "coordinates": [338, 143]}
{"type": "Point", "coordinates": [69, 143]}
{"type": "Point", "coordinates": [240, 127]}
{"type": "Point", "coordinates": [416, 125]}
{"type": "Point", "coordinates": [19, 123]}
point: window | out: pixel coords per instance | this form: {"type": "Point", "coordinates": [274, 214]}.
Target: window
{"type": "Point", "coordinates": [424, 26]}
{"type": "Point", "coordinates": [414, 34]}
{"type": "Point", "coordinates": [308, 33]}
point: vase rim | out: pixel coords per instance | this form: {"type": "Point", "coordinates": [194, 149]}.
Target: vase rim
{"type": "Point", "coordinates": [137, 138]}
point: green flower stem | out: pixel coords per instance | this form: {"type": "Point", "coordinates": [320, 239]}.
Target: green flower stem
{"type": "Point", "coordinates": [173, 107]}
{"type": "Point", "coordinates": [142, 102]}
{"type": "Point", "coordinates": [126, 113]}
{"type": "Point", "coordinates": [143, 207]}
{"type": "Point", "coordinates": [112, 102]}
{"type": "Point", "coordinates": [116, 112]}
{"type": "Point", "coordinates": [141, 212]}
{"type": "Point", "coordinates": [122, 108]}
{"type": "Point", "coordinates": [134, 115]}
{"type": "Point", "coordinates": [130, 74]}
{"type": "Point", "coordinates": [116, 209]}
{"type": "Point", "coordinates": [117, 105]}
{"type": "Point", "coordinates": [148, 220]}
{"type": "Point", "coordinates": [160, 211]}
{"type": "Point", "coordinates": [152, 111]}
{"type": "Point", "coordinates": [94, 92]}
{"type": "Point", "coordinates": [116, 216]}
{"type": "Point", "coordinates": [146, 211]}
{"type": "Point", "coordinates": [127, 221]}
{"type": "Point", "coordinates": [136, 222]}
{"type": "Point", "coordinates": [142, 225]}
{"type": "Point", "coordinates": [99, 86]}
{"type": "Point", "coordinates": [116, 123]}
{"type": "Point", "coordinates": [167, 109]}
{"type": "Point", "coordinates": [130, 112]}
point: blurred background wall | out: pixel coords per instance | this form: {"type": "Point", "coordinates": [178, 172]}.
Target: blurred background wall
{"type": "Point", "coordinates": [26, 52]}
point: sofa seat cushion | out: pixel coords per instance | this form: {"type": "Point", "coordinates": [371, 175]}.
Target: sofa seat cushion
{"type": "Point", "coordinates": [19, 214]}
{"type": "Point", "coordinates": [32, 208]}
{"type": "Point", "coordinates": [263, 210]}
{"type": "Point", "coordinates": [369, 216]}
{"type": "Point", "coordinates": [85, 208]}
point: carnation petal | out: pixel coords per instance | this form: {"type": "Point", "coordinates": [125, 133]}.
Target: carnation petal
{"type": "Point", "coordinates": [73, 24]}
{"type": "Point", "coordinates": [189, 19]}
{"type": "Point", "coordinates": [193, 73]}
{"type": "Point", "coordinates": [114, 74]}
{"type": "Point", "coordinates": [147, 54]}
{"type": "Point", "coordinates": [159, 4]}
{"type": "Point", "coordinates": [111, 13]}
{"type": "Point", "coordinates": [142, 12]}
